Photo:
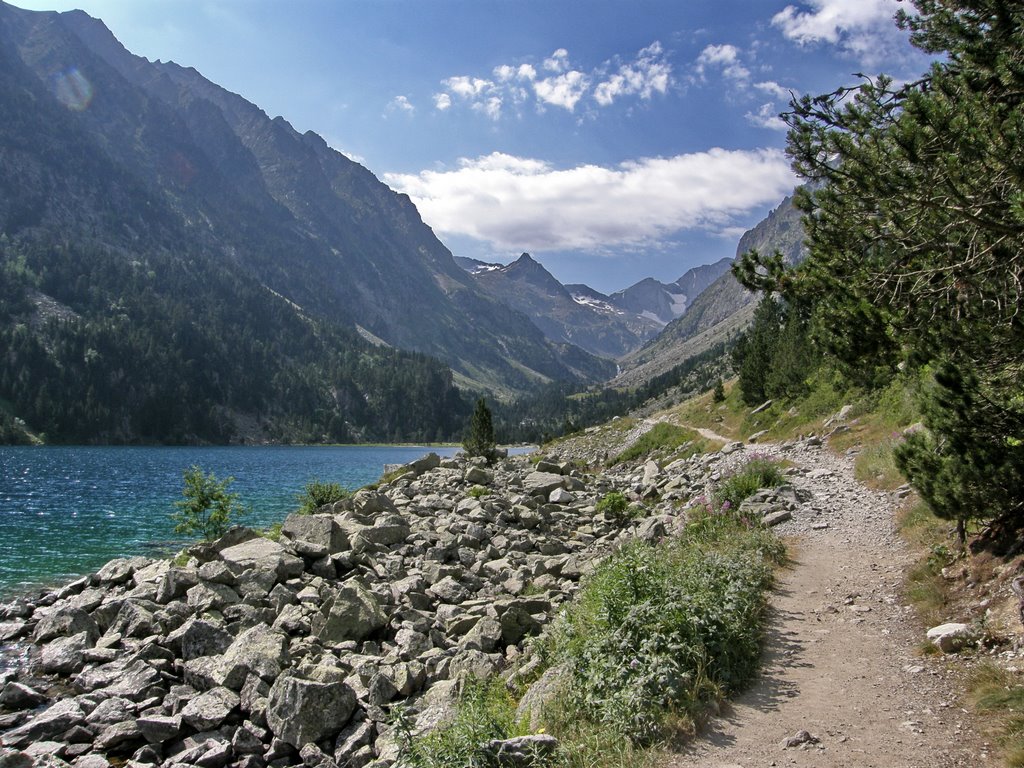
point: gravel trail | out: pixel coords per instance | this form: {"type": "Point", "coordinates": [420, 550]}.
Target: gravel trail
{"type": "Point", "coordinates": [841, 659]}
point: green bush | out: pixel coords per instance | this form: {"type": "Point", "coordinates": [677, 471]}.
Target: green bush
{"type": "Point", "coordinates": [757, 473]}
{"type": "Point", "coordinates": [316, 494]}
{"type": "Point", "coordinates": [660, 631]}
{"type": "Point", "coordinates": [477, 492]}
{"type": "Point", "coordinates": [208, 508]}
{"type": "Point", "coordinates": [613, 504]}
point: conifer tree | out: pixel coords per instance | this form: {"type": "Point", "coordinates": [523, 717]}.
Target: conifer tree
{"type": "Point", "coordinates": [480, 439]}
{"type": "Point", "coordinates": [915, 233]}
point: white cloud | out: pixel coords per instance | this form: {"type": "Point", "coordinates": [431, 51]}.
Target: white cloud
{"type": "Point", "coordinates": [401, 104]}
{"type": "Point", "coordinates": [526, 204]}
{"type": "Point", "coordinates": [767, 116]}
{"type": "Point", "coordinates": [861, 28]}
{"type": "Point", "coordinates": [650, 72]}
{"type": "Point", "coordinates": [562, 84]}
{"type": "Point", "coordinates": [563, 90]}
{"type": "Point", "coordinates": [467, 87]}
{"type": "Point", "coordinates": [491, 107]}
{"type": "Point", "coordinates": [774, 90]}
{"type": "Point", "coordinates": [558, 61]}
{"type": "Point", "coordinates": [725, 58]}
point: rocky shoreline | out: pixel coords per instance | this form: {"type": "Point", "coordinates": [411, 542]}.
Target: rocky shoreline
{"type": "Point", "coordinates": [258, 653]}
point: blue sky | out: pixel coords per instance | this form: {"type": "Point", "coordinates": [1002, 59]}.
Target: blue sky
{"type": "Point", "coordinates": [612, 140]}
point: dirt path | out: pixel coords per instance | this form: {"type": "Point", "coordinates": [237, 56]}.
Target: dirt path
{"type": "Point", "coordinates": [841, 657]}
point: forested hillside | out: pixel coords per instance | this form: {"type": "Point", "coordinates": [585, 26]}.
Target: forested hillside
{"type": "Point", "coordinates": [178, 266]}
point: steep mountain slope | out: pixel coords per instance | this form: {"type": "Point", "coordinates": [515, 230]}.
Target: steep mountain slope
{"type": "Point", "coordinates": [584, 317]}
{"type": "Point", "coordinates": [722, 309]}
{"type": "Point", "coordinates": [161, 171]}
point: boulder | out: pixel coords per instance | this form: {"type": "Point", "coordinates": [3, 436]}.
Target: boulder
{"type": "Point", "coordinates": [51, 723]}
{"type": "Point", "coordinates": [352, 613]}
{"type": "Point", "coordinates": [300, 711]}
{"type": "Point", "coordinates": [264, 555]}
{"type": "Point", "coordinates": [479, 476]}
{"type": "Point", "coordinates": [541, 483]}
{"type": "Point", "coordinates": [210, 709]}
{"type": "Point", "coordinates": [951, 637]}
{"type": "Point", "coordinates": [522, 751]}
{"type": "Point", "coordinates": [198, 637]}
{"type": "Point", "coordinates": [63, 623]}
{"type": "Point", "coordinates": [64, 656]}
{"type": "Point", "coordinates": [317, 529]}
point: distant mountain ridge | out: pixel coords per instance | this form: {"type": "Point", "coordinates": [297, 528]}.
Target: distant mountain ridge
{"type": "Point", "coordinates": [608, 325]}
{"type": "Point", "coordinates": [722, 309]}
{"type": "Point", "coordinates": [157, 172]}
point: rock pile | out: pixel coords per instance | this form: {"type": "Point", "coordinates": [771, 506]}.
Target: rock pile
{"type": "Point", "coordinates": [258, 652]}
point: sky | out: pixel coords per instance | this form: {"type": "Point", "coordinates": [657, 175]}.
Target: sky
{"type": "Point", "coordinates": [611, 139]}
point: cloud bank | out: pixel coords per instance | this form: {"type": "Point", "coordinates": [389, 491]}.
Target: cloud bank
{"type": "Point", "coordinates": [519, 203]}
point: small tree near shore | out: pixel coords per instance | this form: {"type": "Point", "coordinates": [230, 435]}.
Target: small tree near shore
{"type": "Point", "coordinates": [480, 439]}
{"type": "Point", "coordinates": [208, 508]}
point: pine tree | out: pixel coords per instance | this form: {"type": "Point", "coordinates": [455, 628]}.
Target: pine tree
{"type": "Point", "coordinates": [915, 234]}
{"type": "Point", "coordinates": [480, 439]}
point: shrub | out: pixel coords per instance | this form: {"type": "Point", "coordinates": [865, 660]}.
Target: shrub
{"type": "Point", "coordinates": [477, 491]}
{"type": "Point", "coordinates": [661, 631]}
{"type": "Point", "coordinates": [757, 473]}
{"type": "Point", "coordinates": [613, 504]}
{"type": "Point", "coordinates": [208, 508]}
{"type": "Point", "coordinates": [316, 494]}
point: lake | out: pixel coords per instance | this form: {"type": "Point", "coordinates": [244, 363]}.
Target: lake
{"type": "Point", "coordinates": [65, 511]}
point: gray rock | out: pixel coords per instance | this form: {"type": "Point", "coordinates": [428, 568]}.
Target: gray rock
{"type": "Point", "coordinates": [541, 483]}
{"type": "Point", "coordinates": [51, 723]}
{"type": "Point", "coordinates": [63, 623]}
{"type": "Point", "coordinates": [448, 590]}
{"type": "Point", "coordinates": [174, 584]}
{"type": "Point", "coordinates": [540, 695]}
{"type": "Point", "coordinates": [208, 710]}
{"type": "Point", "coordinates": [522, 751]}
{"type": "Point", "coordinates": [484, 636]}
{"type": "Point", "coordinates": [479, 476]}
{"type": "Point", "coordinates": [561, 496]}
{"type": "Point", "coordinates": [17, 695]}
{"type": "Point", "coordinates": [951, 637]}
{"type": "Point", "coordinates": [209, 596]}
{"type": "Point", "coordinates": [425, 464]}
{"type": "Point", "coordinates": [263, 555]}
{"type": "Point", "coordinates": [259, 651]}
{"type": "Point", "coordinates": [117, 735]}
{"type": "Point", "coordinates": [198, 637]}
{"type": "Point", "coordinates": [157, 729]}
{"type": "Point", "coordinates": [352, 613]}
{"type": "Point", "coordinates": [775, 518]}
{"type": "Point", "coordinates": [113, 710]}
{"type": "Point", "coordinates": [321, 529]}
{"type": "Point", "coordinates": [300, 711]}
{"type": "Point", "coordinates": [63, 656]}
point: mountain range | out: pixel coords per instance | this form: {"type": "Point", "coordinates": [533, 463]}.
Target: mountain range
{"type": "Point", "coordinates": [607, 325]}
{"type": "Point", "coordinates": [121, 177]}
{"type": "Point", "coordinates": [177, 266]}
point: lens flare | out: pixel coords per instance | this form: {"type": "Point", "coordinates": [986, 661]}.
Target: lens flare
{"type": "Point", "coordinates": [73, 89]}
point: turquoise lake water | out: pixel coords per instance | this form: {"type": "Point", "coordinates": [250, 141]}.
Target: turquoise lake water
{"type": "Point", "coordinates": [65, 511]}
